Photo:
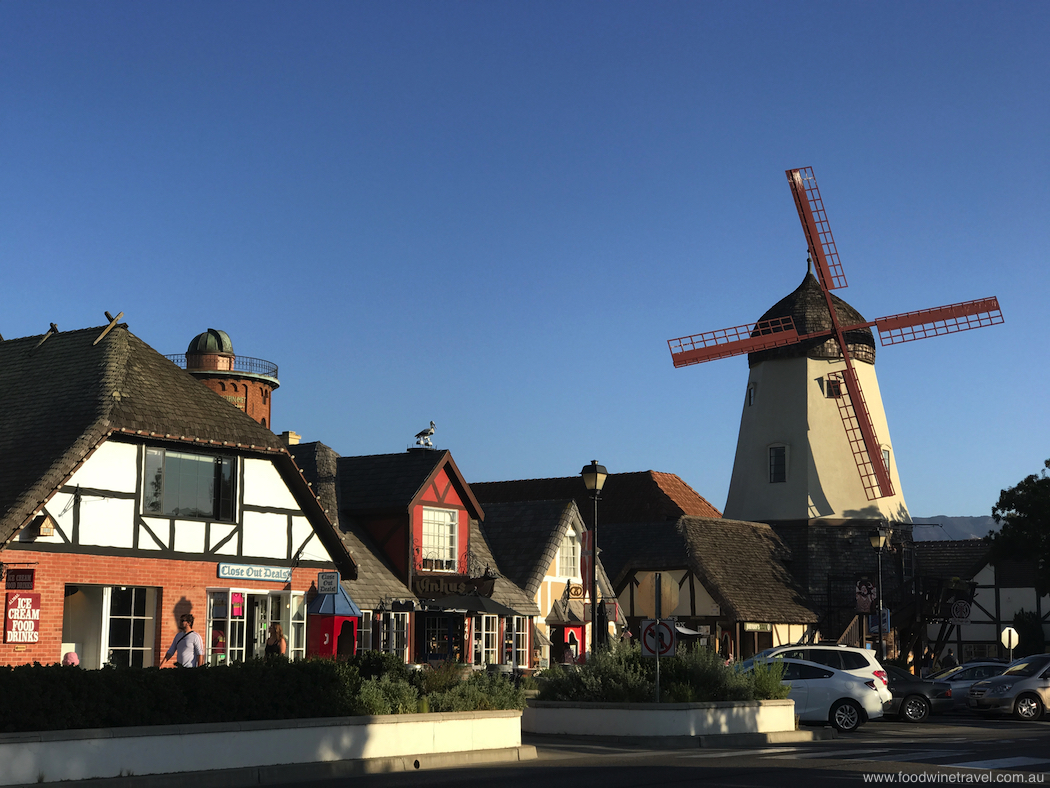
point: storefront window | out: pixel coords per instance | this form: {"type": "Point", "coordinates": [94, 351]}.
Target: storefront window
{"type": "Point", "coordinates": [239, 623]}
{"type": "Point", "coordinates": [297, 631]}
{"type": "Point", "coordinates": [521, 642]}
{"type": "Point", "coordinates": [364, 640]}
{"type": "Point", "coordinates": [489, 633]}
{"type": "Point", "coordinates": [395, 634]}
{"type": "Point", "coordinates": [130, 626]}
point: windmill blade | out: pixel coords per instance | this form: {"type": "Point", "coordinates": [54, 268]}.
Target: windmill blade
{"type": "Point", "coordinates": [860, 432]}
{"type": "Point", "coordinates": [814, 220]}
{"type": "Point", "coordinates": [909, 326]}
{"type": "Point", "coordinates": [736, 341]}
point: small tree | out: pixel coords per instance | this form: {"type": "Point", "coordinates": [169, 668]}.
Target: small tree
{"type": "Point", "coordinates": [1030, 638]}
{"type": "Point", "coordinates": [1023, 512]}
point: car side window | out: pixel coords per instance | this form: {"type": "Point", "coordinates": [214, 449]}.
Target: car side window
{"type": "Point", "coordinates": [984, 671]}
{"type": "Point", "coordinates": [824, 656]}
{"type": "Point", "coordinates": [791, 672]}
{"type": "Point", "coordinates": [813, 672]}
{"type": "Point", "coordinates": [796, 654]}
{"type": "Point", "coordinates": [853, 661]}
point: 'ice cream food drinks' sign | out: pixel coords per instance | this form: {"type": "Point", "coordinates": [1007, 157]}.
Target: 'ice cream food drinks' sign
{"type": "Point", "coordinates": [22, 618]}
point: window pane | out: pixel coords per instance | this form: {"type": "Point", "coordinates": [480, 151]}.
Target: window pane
{"type": "Point", "coordinates": [140, 601]}
{"type": "Point", "coordinates": [119, 658]}
{"type": "Point", "coordinates": [154, 481]}
{"type": "Point", "coordinates": [119, 632]}
{"type": "Point", "coordinates": [137, 658]}
{"type": "Point", "coordinates": [120, 601]}
{"type": "Point", "coordinates": [138, 632]}
{"type": "Point", "coordinates": [777, 464]}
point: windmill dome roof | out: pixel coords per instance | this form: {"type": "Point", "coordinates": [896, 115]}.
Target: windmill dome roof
{"type": "Point", "coordinates": [808, 309]}
{"type": "Point", "coordinates": [211, 341]}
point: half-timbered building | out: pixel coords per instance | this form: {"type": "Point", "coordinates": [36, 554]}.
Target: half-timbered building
{"type": "Point", "coordinates": [130, 494]}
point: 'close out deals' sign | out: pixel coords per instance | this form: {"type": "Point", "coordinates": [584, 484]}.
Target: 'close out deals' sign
{"type": "Point", "coordinates": [22, 618]}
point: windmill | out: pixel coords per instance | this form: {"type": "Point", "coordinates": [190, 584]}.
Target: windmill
{"type": "Point", "coordinates": [842, 336]}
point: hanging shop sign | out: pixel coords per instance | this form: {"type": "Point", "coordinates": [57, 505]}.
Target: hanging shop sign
{"type": "Point", "coordinates": [19, 579]}
{"type": "Point", "coordinates": [273, 574]}
{"type": "Point", "coordinates": [22, 618]}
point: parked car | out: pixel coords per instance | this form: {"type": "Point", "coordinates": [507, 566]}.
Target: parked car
{"type": "Point", "coordinates": [860, 662]}
{"type": "Point", "coordinates": [962, 677]}
{"type": "Point", "coordinates": [827, 695]}
{"type": "Point", "coordinates": [1022, 690]}
{"type": "Point", "coordinates": [914, 698]}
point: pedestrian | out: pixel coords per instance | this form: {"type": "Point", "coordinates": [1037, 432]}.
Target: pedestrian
{"type": "Point", "coordinates": [276, 643]}
{"type": "Point", "coordinates": [187, 644]}
{"type": "Point", "coordinates": [949, 660]}
{"type": "Point", "coordinates": [70, 659]}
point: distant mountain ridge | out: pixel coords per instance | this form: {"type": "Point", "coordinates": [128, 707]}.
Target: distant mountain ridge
{"type": "Point", "coordinates": [943, 528]}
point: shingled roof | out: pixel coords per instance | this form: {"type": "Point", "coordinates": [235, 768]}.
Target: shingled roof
{"type": "Point", "coordinates": [379, 482]}
{"type": "Point", "coordinates": [642, 496]}
{"type": "Point", "coordinates": [741, 564]}
{"type": "Point", "coordinates": [504, 589]}
{"type": "Point", "coordinates": [62, 397]}
{"type": "Point", "coordinates": [961, 558]}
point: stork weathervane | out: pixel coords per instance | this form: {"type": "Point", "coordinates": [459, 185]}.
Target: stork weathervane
{"type": "Point", "coordinates": [781, 331]}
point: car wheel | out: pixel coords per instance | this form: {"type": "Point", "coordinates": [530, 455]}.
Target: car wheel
{"type": "Point", "coordinates": [1028, 707]}
{"type": "Point", "coordinates": [846, 716]}
{"type": "Point", "coordinates": [915, 708]}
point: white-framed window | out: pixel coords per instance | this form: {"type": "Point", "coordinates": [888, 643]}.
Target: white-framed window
{"type": "Point", "coordinates": [129, 625]}
{"type": "Point", "coordinates": [364, 635]}
{"type": "Point", "coordinates": [439, 539]}
{"type": "Point", "coordinates": [489, 640]}
{"type": "Point", "coordinates": [520, 626]}
{"type": "Point", "coordinates": [394, 634]}
{"type": "Point", "coordinates": [569, 555]}
{"type": "Point", "coordinates": [886, 460]}
{"type": "Point", "coordinates": [182, 484]}
{"type": "Point", "coordinates": [777, 464]}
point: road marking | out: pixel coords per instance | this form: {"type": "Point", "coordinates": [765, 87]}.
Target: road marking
{"type": "Point", "coordinates": [1002, 763]}
{"type": "Point", "coordinates": [744, 753]}
{"type": "Point", "coordinates": [836, 753]}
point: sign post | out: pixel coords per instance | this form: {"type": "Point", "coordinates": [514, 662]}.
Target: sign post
{"type": "Point", "coordinates": [1009, 638]}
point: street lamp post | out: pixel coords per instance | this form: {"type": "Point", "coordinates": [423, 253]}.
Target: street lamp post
{"type": "Point", "coordinates": [878, 539]}
{"type": "Point", "coordinates": [594, 479]}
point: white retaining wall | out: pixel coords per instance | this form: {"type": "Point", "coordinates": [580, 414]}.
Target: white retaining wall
{"type": "Point", "coordinates": [658, 719]}
{"type": "Point", "coordinates": [163, 749]}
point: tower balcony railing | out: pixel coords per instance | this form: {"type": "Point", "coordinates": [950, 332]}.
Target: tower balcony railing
{"type": "Point", "coordinates": [219, 363]}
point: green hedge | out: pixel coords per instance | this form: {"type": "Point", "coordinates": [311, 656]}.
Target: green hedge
{"type": "Point", "coordinates": [52, 697]}
{"type": "Point", "coordinates": [622, 675]}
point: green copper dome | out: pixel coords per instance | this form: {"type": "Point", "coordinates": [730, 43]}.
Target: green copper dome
{"type": "Point", "coordinates": [211, 341]}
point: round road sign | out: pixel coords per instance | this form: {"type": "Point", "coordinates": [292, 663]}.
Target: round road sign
{"type": "Point", "coordinates": [657, 639]}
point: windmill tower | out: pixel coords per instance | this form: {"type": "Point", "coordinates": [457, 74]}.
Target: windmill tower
{"type": "Point", "coordinates": [814, 457]}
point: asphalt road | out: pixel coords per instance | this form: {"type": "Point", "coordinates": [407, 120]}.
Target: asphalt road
{"type": "Point", "coordinates": [975, 751]}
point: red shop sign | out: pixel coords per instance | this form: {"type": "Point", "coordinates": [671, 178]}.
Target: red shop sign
{"type": "Point", "coordinates": [19, 579]}
{"type": "Point", "coordinates": [22, 618]}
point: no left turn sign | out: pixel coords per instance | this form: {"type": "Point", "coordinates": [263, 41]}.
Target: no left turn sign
{"type": "Point", "coordinates": [657, 639]}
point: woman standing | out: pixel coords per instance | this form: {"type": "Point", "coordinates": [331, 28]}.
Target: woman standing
{"type": "Point", "coordinates": [276, 643]}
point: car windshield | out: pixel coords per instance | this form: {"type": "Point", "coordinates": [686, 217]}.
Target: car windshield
{"type": "Point", "coordinates": [1028, 668]}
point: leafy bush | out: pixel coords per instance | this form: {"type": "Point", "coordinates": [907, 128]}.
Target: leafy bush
{"type": "Point", "coordinates": [52, 697]}
{"type": "Point", "coordinates": [621, 675]}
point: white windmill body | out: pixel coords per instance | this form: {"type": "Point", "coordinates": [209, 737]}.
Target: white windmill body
{"type": "Point", "coordinates": [794, 461]}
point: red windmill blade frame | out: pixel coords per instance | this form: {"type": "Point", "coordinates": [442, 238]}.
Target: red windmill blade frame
{"type": "Point", "coordinates": [780, 332]}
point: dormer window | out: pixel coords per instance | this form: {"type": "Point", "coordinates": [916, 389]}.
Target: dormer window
{"type": "Point", "coordinates": [569, 555]}
{"type": "Point", "coordinates": [439, 539]}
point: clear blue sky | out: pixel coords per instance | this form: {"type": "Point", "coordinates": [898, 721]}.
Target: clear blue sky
{"type": "Point", "coordinates": [494, 214]}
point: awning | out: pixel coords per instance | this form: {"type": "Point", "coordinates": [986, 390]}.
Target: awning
{"type": "Point", "coordinates": [566, 613]}
{"type": "Point", "coordinates": [471, 603]}
{"type": "Point", "coordinates": [337, 604]}
{"type": "Point", "coordinates": [539, 640]}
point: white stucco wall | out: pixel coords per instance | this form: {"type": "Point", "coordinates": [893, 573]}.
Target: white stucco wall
{"type": "Point", "coordinates": [790, 409]}
{"type": "Point", "coordinates": [663, 719]}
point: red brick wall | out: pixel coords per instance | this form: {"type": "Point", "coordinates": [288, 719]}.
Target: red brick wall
{"type": "Point", "coordinates": [182, 588]}
{"type": "Point", "coordinates": [251, 396]}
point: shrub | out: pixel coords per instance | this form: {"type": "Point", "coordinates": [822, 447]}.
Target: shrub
{"type": "Point", "coordinates": [483, 691]}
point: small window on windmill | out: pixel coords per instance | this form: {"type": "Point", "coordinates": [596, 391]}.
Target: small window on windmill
{"type": "Point", "coordinates": [750, 396]}
{"type": "Point", "coordinates": [832, 388]}
{"type": "Point", "coordinates": [777, 464]}
{"type": "Point", "coordinates": [886, 459]}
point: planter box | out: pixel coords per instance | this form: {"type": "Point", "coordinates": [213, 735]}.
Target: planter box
{"type": "Point", "coordinates": [658, 719]}
{"type": "Point", "coordinates": [165, 749]}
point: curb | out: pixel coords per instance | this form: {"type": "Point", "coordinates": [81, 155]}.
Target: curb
{"type": "Point", "coordinates": [296, 772]}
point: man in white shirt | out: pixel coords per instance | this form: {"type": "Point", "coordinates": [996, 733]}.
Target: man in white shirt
{"type": "Point", "coordinates": [188, 644]}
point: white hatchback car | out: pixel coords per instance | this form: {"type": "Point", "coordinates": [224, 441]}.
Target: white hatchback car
{"type": "Point", "coordinates": [859, 662]}
{"type": "Point", "coordinates": [827, 695]}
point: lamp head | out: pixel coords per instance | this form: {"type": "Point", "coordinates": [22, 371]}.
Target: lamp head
{"type": "Point", "coordinates": [594, 476]}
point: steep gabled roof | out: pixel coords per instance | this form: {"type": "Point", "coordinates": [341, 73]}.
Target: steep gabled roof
{"type": "Point", "coordinates": [642, 496]}
{"type": "Point", "coordinates": [525, 537]}
{"type": "Point", "coordinates": [504, 589]}
{"type": "Point", "coordinates": [61, 398]}
{"type": "Point", "coordinates": [379, 482]}
{"type": "Point", "coordinates": [741, 564]}
{"type": "Point", "coordinates": [961, 558]}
